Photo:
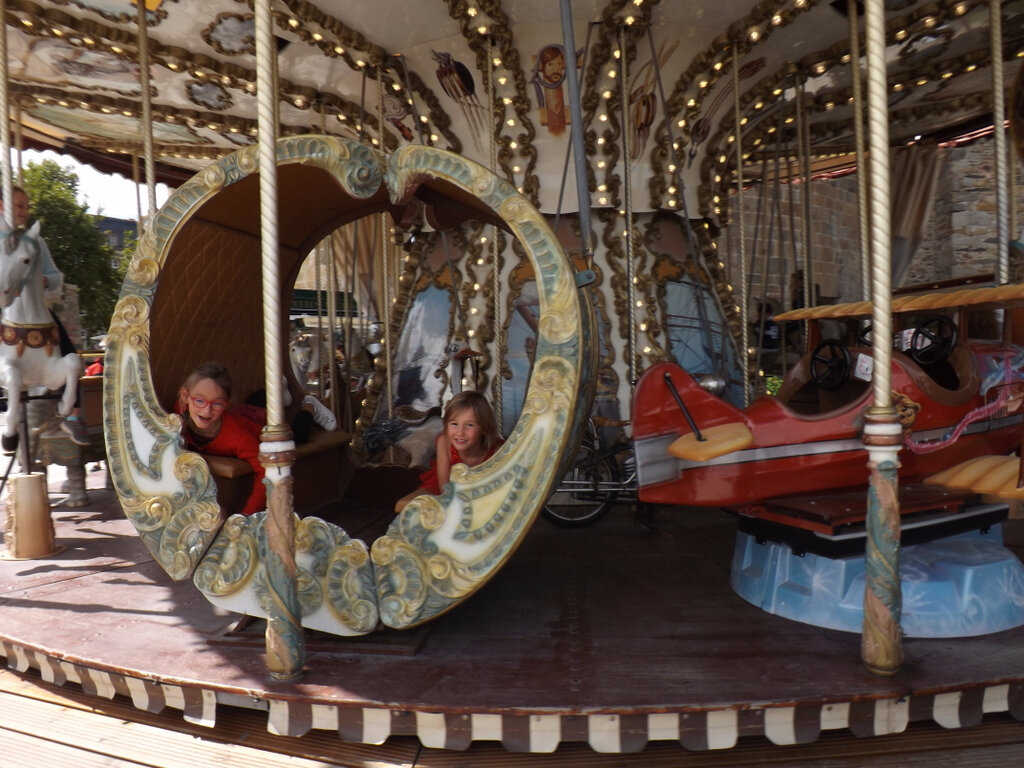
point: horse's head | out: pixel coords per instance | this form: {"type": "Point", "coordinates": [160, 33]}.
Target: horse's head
{"type": "Point", "coordinates": [19, 260]}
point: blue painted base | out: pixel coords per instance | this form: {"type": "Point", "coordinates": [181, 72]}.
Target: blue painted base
{"type": "Point", "coordinates": [964, 585]}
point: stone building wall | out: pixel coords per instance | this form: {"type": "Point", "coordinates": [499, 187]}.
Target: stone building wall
{"type": "Point", "coordinates": [834, 237]}
{"type": "Point", "coordinates": [959, 239]}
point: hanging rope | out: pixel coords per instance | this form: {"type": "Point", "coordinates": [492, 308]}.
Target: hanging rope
{"type": "Point", "coordinates": [389, 287]}
{"type": "Point", "coordinates": [995, 23]}
{"type": "Point", "coordinates": [627, 194]}
{"type": "Point", "coordinates": [697, 253]}
{"type": "Point", "coordinates": [321, 313]}
{"type": "Point", "coordinates": [858, 132]}
{"type": "Point", "coordinates": [138, 187]}
{"type": "Point", "coordinates": [498, 361]}
{"type": "Point", "coordinates": [744, 291]}
{"type": "Point", "coordinates": [5, 125]}
{"type": "Point", "coordinates": [348, 299]}
{"type": "Point", "coordinates": [146, 124]}
{"type": "Point", "coordinates": [569, 145]}
{"type": "Point", "coordinates": [331, 370]}
{"type": "Point", "coordinates": [756, 236]}
{"type": "Point", "coordinates": [576, 131]}
{"type": "Point", "coordinates": [805, 197]}
{"type": "Point", "coordinates": [19, 143]}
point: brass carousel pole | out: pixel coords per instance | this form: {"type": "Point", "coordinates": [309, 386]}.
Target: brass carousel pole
{"type": "Point", "coordinates": [29, 526]}
{"type": "Point", "coordinates": [284, 640]}
{"type": "Point", "coordinates": [5, 124]}
{"type": "Point", "coordinates": [881, 648]}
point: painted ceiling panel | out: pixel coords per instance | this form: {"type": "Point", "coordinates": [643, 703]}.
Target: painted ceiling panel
{"type": "Point", "coordinates": [487, 78]}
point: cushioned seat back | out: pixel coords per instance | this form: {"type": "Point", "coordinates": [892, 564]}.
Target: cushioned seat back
{"type": "Point", "coordinates": [208, 306]}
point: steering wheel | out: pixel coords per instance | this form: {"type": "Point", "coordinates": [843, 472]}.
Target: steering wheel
{"type": "Point", "coordinates": [830, 364]}
{"type": "Point", "coordinates": [933, 341]}
{"type": "Point", "coordinates": [864, 337]}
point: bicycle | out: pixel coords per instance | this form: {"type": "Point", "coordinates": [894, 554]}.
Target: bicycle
{"type": "Point", "coordinates": [601, 475]}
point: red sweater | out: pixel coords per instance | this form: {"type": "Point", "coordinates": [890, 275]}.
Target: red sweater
{"type": "Point", "coordinates": [238, 437]}
{"type": "Point", "coordinates": [428, 480]}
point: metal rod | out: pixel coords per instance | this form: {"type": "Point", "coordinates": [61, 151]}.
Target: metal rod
{"type": "Point", "coordinates": [568, 147]}
{"type": "Point", "coordinates": [682, 407]}
{"type": "Point", "coordinates": [576, 132]}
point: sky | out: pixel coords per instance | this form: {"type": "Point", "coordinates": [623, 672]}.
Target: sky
{"type": "Point", "coordinates": [107, 194]}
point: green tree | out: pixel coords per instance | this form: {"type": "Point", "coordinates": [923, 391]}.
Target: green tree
{"type": "Point", "coordinates": [79, 249]}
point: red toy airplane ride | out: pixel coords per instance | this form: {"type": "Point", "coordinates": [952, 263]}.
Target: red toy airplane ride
{"type": "Point", "coordinates": [959, 397]}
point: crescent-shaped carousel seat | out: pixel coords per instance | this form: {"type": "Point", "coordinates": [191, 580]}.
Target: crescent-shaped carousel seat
{"type": "Point", "coordinates": [991, 475]}
{"type": "Point", "coordinates": [718, 441]}
{"type": "Point", "coordinates": [193, 292]}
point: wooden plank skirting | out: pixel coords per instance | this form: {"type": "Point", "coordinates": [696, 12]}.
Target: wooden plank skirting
{"type": "Point", "coordinates": [696, 730]}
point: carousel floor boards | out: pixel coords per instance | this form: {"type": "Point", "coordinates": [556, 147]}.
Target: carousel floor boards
{"type": "Point", "coordinates": [616, 636]}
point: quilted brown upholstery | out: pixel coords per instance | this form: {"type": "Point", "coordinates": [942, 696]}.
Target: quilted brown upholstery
{"type": "Point", "coordinates": [208, 306]}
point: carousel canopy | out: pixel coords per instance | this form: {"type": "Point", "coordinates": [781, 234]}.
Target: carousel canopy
{"type": "Point", "coordinates": [487, 78]}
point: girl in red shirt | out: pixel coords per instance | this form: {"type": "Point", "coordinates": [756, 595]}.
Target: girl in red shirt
{"type": "Point", "coordinates": [210, 426]}
{"type": "Point", "coordinates": [470, 437]}
{"type": "Point", "coordinates": [213, 426]}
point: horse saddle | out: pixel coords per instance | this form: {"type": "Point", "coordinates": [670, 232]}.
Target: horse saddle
{"type": "Point", "coordinates": [31, 336]}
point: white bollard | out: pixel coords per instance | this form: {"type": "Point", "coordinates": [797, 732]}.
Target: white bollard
{"type": "Point", "coordinates": [29, 532]}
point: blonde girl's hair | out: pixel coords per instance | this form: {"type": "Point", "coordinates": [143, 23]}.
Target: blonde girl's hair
{"type": "Point", "coordinates": [482, 412]}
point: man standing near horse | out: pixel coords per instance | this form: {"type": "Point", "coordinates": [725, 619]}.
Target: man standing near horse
{"type": "Point", "coordinates": [53, 280]}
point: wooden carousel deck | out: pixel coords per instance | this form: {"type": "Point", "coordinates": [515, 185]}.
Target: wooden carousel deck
{"type": "Point", "coordinates": [618, 636]}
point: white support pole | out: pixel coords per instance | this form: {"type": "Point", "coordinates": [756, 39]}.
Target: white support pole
{"type": "Point", "coordinates": [881, 648]}
{"type": "Point", "coordinates": [284, 636]}
{"type": "Point", "coordinates": [146, 124]}
{"type": "Point", "coordinates": [5, 124]}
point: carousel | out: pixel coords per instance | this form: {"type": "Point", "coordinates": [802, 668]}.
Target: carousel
{"type": "Point", "coordinates": [595, 215]}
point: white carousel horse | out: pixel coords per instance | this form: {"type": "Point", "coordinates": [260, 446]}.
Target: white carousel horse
{"type": "Point", "coordinates": [29, 341]}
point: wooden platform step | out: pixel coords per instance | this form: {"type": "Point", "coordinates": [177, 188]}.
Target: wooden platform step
{"type": "Point", "coordinates": [45, 725]}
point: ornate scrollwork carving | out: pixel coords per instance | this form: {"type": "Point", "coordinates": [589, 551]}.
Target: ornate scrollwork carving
{"type": "Point", "coordinates": [440, 549]}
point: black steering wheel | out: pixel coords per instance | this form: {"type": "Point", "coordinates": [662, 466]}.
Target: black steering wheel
{"type": "Point", "coordinates": [830, 364]}
{"type": "Point", "coordinates": [864, 337]}
{"type": "Point", "coordinates": [933, 341]}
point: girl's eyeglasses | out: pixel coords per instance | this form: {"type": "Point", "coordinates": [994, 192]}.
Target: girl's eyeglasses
{"type": "Point", "coordinates": [202, 402]}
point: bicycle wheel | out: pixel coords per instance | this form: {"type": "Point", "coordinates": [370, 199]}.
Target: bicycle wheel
{"type": "Point", "coordinates": [585, 493]}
